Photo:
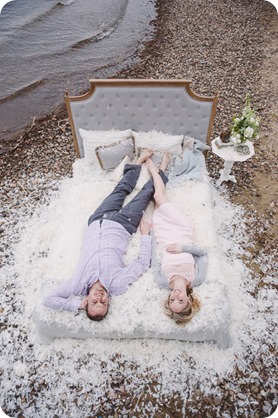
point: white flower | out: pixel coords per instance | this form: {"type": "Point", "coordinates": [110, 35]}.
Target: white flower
{"type": "Point", "coordinates": [237, 136]}
{"type": "Point", "coordinates": [252, 120]}
{"type": "Point", "coordinates": [248, 133]}
{"type": "Point", "coordinates": [238, 141]}
{"type": "Point", "coordinates": [237, 120]}
{"type": "Point", "coordinates": [257, 123]}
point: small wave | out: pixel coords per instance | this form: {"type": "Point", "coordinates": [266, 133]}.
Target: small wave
{"type": "Point", "coordinates": [23, 90]}
{"type": "Point", "coordinates": [101, 34]}
{"type": "Point", "coordinates": [28, 21]}
{"type": "Point", "coordinates": [44, 14]}
{"type": "Point", "coordinates": [41, 16]}
{"type": "Point", "coordinates": [94, 38]}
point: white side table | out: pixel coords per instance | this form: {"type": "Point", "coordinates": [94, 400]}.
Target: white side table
{"type": "Point", "coordinates": [229, 155]}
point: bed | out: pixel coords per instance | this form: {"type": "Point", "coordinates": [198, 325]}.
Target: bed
{"type": "Point", "coordinates": [110, 123]}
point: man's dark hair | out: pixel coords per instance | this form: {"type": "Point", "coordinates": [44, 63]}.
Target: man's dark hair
{"type": "Point", "coordinates": [95, 317]}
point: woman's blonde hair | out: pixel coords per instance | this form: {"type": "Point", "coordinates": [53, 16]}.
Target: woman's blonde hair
{"type": "Point", "coordinates": [187, 314]}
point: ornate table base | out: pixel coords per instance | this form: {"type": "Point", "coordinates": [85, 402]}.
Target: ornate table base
{"type": "Point", "coordinates": [225, 173]}
{"type": "Point", "coordinates": [230, 155]}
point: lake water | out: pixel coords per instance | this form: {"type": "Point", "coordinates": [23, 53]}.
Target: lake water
{"type": "Point", "coordinates": [47, 47]}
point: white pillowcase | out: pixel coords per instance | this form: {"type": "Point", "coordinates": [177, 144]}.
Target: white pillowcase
{"type": "Point", "coordinates": [93, 139]}
{"type": "Point", "coordinates": [188, 143]}
{"type": "Point", "coordinates": [159, 141]}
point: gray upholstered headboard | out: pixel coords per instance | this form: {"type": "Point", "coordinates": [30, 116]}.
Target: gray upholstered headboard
{"type": "Point", "coordinates": [169, 106]}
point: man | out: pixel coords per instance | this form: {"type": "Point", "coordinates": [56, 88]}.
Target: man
{"type": "Point", "coordinates": [101, 272]}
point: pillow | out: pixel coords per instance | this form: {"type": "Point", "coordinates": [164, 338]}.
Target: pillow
{"type": "Point", "coordinates": [200, 146]}
{"type": "Point", "coordinates": [159, 141]}
{"type": "Point", "coordinates": [93, 139]}
{"type": "Point", "coordinates": [194, 145]}
{"type": "Point", "coordinates": [109, 156]}
{"type": "Point", "coordinates": [187, 143]}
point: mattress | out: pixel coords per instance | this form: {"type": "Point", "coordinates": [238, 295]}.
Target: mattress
{"type": "Point", "coordinates": [137, 314]}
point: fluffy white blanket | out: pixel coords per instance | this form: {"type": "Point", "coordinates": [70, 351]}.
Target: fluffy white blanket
{"type": "Point", "coordinates": [55, 242]}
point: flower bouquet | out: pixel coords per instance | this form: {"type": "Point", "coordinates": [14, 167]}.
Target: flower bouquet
{"type": "Point", "coordinates": [246, 127]}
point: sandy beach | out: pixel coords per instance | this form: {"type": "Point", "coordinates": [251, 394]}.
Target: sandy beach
{"type": "Point", "coordinates": [229, 48]}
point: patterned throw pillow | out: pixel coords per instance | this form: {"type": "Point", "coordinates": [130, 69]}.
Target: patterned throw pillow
{"type": "Point", "coordinates": [109, 156]}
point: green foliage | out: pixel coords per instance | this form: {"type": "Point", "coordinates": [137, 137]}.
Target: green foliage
{"type": "Point", "coordinates": [246, 126]}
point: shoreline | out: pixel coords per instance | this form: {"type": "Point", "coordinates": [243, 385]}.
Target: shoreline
{"type": "Point", "coordinates": [201, 44]}
{"type": "Point", "coordinates": [44, 98]}
{"type": "Point", "coordinates": [16, 138]}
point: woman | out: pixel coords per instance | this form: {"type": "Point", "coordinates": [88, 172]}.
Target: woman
{"type": "Point", "coordinates": [183, 265]}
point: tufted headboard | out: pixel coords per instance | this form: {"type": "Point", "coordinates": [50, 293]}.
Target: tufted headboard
{"type": "Point", "coordinates": [169, 106]}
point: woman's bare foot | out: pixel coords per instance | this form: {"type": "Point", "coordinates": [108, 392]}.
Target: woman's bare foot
{"type": "Point", "coordinates": [145, 154]}
{"type": "Point", "coordinates": [165, 161]}
{"type": "Point", "coordinates": [151, 166]}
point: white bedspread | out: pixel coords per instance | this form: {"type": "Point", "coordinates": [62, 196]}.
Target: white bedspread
{"type": "Point", "coordinates": [139, 312]}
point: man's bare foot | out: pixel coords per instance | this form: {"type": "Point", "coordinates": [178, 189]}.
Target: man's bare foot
{"type": "Point", "coordinates": [145, 154]}
{"type": "Point", "coordinates": [165, 161]}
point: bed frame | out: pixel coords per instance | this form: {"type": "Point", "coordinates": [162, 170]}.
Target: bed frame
{"type": "Point", "coordinates": [169, 106]}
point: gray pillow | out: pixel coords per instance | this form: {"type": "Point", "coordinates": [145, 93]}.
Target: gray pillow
{"type": "Point", "coordinates": [200, 146]}
{"type": "Point", "coordinates": [109, 156]}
